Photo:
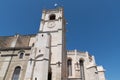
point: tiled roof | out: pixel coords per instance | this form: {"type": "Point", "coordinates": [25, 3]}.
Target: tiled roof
{"type": "Point", "coordinates": [18, 41]}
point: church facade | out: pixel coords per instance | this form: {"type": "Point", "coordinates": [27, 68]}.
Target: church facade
{"type": "Point", "coordinates": [43, 56]}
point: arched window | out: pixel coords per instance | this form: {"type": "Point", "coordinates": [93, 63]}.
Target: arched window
{"type": "Point", "coordinates": [16, 73]}
{"type": "Point", "coordinates": [69, 65]}
{"type": "Point", "coordinates": [52, 17]}
{"type": "Point", "coordinates": [21, 55]}
{"type": "Point", "coordinates": [82, 69]}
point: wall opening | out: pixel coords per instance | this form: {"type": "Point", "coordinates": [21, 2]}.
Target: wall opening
{"type": "Point", "coordinates": [16, 73]}
{"type": "Point", "coordinates": [21, 55]}
{"type": "Point", "coordinates": [82, 75]}
{"type": "Point", "coordinates": [35, 78]}
{"type": "Point", "coordinates": [52, 17]}
{"type": "Point", "coordinates": [69, 65]}
{"type": "Point", "coordinates": [50, 75]}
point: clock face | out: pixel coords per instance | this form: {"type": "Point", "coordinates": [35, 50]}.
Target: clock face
{"type": "Point", "coordinates": [51, 24]}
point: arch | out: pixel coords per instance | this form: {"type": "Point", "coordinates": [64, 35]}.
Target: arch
{"type": "Point", "coordinates": [21, 51]}
{"type": "Point", "coordinates": [35, 78]}
{"type": "Point", "coordinates": [21, 55]}
{"type": "Point", "coordinates": [69, 58]}
{"type": "Point", "coordinates": [69, 65]}
{"type": "Point", "coordinates": [16, 73]}
{"type": "Point", "coordinates": [52, 17]}
{"type": "Point", "coordinates": [81, 59]}
{"type": "Point", "coordinates": [81, 62]}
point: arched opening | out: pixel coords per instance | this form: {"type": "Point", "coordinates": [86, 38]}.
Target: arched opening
{"type": "Point", "coordinates": [69, 65]}
{"type": "Point", "coordinates": [35, 78]}
{"type": "Point", "coordinates": [52, 17]}
{"type": "Point", "coordinates": [16, 73]}
{"type": "Point", "coordinates": [21, 55]}
{"type": "Point", "coordinates": [82, 75]}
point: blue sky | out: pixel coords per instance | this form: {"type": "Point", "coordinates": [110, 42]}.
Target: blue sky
{"type": "Point", "coordinates": [93, 26]}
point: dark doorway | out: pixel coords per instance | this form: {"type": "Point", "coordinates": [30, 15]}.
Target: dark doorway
{"type": "Point", "coordinates": [49, 75]}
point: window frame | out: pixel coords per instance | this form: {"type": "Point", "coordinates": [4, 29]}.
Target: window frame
{"type": "Point", "coordinates": [52, 17]}
{"type": "Point", "coordinates": [21, 55]}
{"type": "Point", "coordinates": [16, 73]}
{"type": "Point", "coordinates": [69, 65]}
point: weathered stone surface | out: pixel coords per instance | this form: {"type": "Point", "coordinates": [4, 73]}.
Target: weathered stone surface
{"type": "Point", "coordinates": [45, 52]}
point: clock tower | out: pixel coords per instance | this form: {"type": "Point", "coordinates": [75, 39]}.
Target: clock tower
{"type": "Point", "coordinates": [50, 42]}
{"type": "Point", "coordinates": [52, 20]}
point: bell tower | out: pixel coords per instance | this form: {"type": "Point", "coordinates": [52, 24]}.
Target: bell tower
{"type": "Point", "coordinates": [53, 22]}
{"type": "Point", "coordinates": [50, 50]}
